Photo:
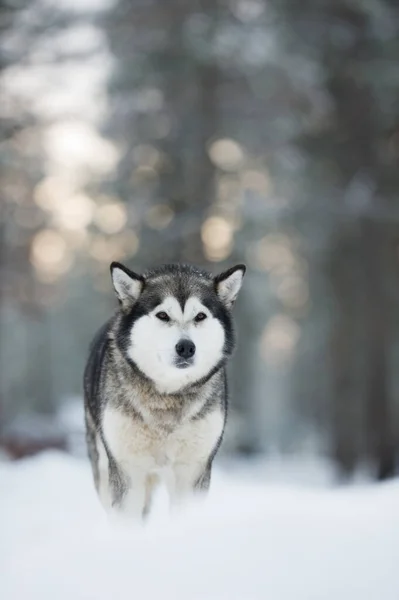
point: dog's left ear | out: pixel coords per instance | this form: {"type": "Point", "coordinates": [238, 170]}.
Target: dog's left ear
{"type": "Point", "coordinates": [127, 284]}
{"type": "Point", "coordinates": [228, 284]}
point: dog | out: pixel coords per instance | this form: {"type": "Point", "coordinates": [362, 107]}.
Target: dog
{"type": "Point", "coordinates": [155, 389]}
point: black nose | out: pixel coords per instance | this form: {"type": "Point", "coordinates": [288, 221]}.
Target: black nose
{"type": "Point", "coordinates": [185, 348]}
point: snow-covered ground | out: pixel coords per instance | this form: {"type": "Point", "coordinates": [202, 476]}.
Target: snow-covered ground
{"type": "Point", "coordinates": [255, 538]}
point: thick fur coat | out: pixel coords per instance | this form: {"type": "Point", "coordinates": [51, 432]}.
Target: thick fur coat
{"type": "Point", "coordinates": [155, 384]}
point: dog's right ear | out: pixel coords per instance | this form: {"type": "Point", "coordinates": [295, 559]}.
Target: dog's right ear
{"type": "Point", "coordinates": [127, 284]}
{"type": "Point", "coordinates": [228, 284]}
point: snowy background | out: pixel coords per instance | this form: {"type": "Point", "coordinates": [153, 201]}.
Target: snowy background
{"type": "Point", "coordinates": [272, 527]}
{"type": "Point", "coordinates": [256, 537]}
{"type": "Point", "coordinates": [212, 132]}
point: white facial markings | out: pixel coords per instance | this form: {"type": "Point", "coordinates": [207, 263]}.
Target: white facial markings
{"type": "Point", "coordinates": [153, 343]}
{"type": "Point", "coordinates": [193, 307]}
{"type": "Point", "coordinates": [174, 311]}
{"type": "Point", "coordinates": [172, 308]}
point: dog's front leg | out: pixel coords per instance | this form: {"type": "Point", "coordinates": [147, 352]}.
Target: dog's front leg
{"type": "Point", "coordinates": [133, 503]}
{"type": "Point", "coordinates": [186, 481]}
{"type": "Point", "coordinates": [128, 491]}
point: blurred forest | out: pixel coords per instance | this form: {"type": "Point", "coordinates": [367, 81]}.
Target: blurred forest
{"type": "Point", "coordinates": [212, 132]}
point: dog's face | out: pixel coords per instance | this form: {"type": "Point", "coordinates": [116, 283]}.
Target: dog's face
{"type": "Point", "coordinates": [176, 321]}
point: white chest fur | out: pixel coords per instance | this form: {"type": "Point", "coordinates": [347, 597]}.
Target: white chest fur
{"type": "Point", "coordinates": [145, 454]}
{"type": "Point", "coordinates": [134, 444]}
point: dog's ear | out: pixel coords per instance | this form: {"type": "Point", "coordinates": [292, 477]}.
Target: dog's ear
{"type": "Point", "coordinates": [127, 284]}
{"type": "Point", "coordinates": [228, 284]}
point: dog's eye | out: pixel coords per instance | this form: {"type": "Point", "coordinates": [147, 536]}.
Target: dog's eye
{"type": "Point", "coordinates": [200, 317]}
{"type": "Point", "coordinates": [162, 316]}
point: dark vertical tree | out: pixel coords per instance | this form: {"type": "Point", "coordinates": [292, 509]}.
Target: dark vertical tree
{"type": "Point", "coordinates": [355, 46]}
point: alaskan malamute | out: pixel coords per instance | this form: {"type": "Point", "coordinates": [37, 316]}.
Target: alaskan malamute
{"type": "Point", "coordinates": [155, 384]}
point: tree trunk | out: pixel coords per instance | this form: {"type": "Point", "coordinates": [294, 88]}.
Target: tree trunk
{"type": "Point", "coordinates": [380, 447]}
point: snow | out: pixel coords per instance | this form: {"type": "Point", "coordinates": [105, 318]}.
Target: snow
{"type": "Point", "coordinates": [254, 538]}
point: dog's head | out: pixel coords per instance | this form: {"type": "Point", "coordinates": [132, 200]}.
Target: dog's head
{"type": "Point", "coordinates": [176, 324]}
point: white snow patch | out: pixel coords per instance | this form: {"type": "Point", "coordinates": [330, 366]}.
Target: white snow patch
{"type": "Point", "coordinates": [248, 541]}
